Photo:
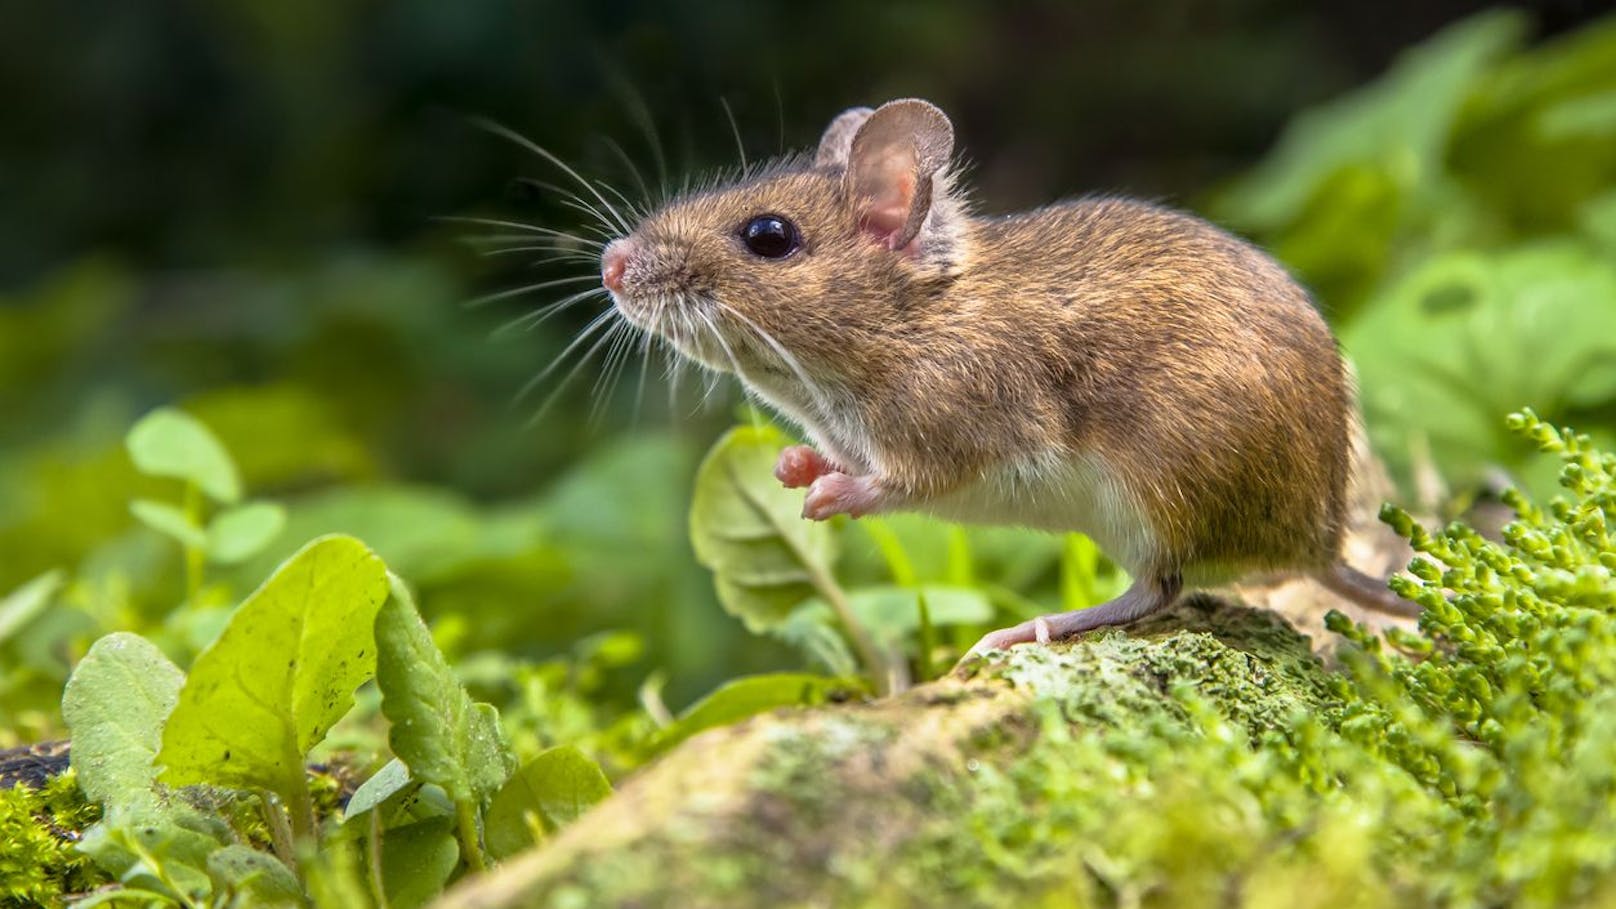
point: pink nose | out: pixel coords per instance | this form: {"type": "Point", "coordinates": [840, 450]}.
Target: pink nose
{"type": "Point", "coordinates": [612, 264]}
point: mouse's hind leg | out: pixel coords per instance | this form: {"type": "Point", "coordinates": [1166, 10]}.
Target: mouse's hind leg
{"type": "Point", "coordinates": [1148, 595]}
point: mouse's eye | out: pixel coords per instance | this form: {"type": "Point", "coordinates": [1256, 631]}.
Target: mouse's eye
{"type": "Point", "coordinates": [770, 236]}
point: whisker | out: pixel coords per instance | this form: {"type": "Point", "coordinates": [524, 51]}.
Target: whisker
{"type": "Point", "coordinates": [594, 326]}
{"type": "Point", "coordinates": [645, 367]}
{"type": "Point", "coordinates": [617, 358]}
{"type": "Point", "coordinates": [544, 153]}
{"type": "Point", "coordinates": [526, 289]}
{"type": "Point", "coordinates": [735, 130]}
{"type": "Point", "coordinates": [532, 320]}
{"type": "Point", "coordinates": [577, 203]}
{"type": "Point", "coordinates": [779, 116]}
{"type": "Point", "coordinates": [518, 225]}
{"type": "Point", "coordinates": [573, 373]}
{"type": "Point", "coordinates": [640, 112]}
{"type": "Point", "coordinates": [785, 356]}
{"type": "Point", "coordinates": [628, 206]}
{"type": "Point", "coordinates": [634, 171]}
{"type": "Point", "coordinates": [563, 253]}
{"type": "Point", "coordinates": [729, 354]}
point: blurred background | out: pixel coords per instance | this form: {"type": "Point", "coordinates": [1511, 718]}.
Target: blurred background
{"type": "Point", "coordinates": [237, 207]}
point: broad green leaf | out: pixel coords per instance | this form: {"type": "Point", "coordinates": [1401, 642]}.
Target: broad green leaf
{"type": "Point", "coordinates": [282, 672]}
{"type": "Point", "coordinates": [417, 861]}
{"type": "Point", "coordinates": [238, 533]}
{"type": "Point", "coordinates": [172, 443]}
{"type": "Point", "coordinates": [748, 696]}
{"type": "Point", "coordinates": [115, 704]}
{"type": "Point", "coordinates": [553, 789]}
{"type": "Point", "coordinates": [169, 521]}
{"type": "Point", "coordinates": [892, 613]}
{"type": "Point", "coordinates": [437, 730]}
{"type": "Point", "coordinates": [748, 530]}
{"type": "Point", "coordinates": [253, 878]}
{"type": "Point", "coordinates": [382, 785]}
{"type": "Point", "coordinates": [25, 603]}
{"type": "Point", "coordinates": [1434, 376]}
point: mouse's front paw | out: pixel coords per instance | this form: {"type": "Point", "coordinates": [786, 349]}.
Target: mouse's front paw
{"type": "Point", "coordinates": [837, 493]}
{"type": "Point", "coordinates": [800, 466]}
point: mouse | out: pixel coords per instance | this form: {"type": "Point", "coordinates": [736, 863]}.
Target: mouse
{"type": "Point", "coordinates": [1103, 365]}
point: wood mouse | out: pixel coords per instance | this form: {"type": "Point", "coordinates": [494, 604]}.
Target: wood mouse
{"type": "Point", "coordinates": [1104, 365]}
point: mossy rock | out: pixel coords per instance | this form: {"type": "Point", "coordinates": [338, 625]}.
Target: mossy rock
{"type": "Point", "coordinates": [952, 793]}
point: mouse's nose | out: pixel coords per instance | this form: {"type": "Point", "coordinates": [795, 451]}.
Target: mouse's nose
{"type": "Point", "coordinates": [612, 264]}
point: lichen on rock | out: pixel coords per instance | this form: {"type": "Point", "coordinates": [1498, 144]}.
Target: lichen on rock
{"type": "Point", "coordinates": [960, 789]}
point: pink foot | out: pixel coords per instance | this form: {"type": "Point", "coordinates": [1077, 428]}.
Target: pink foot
{"type": "Point", "coordinates": [837, 493]}
{"type": "Point", "coordinates": [800, 466]}
{"type": "Point", "coordinates": [1034, 631]}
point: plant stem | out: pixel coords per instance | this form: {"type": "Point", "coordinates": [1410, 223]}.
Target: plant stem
{"type": "Point", "coordinates": [373, 858]}
{"type": "Point", "coordinates": [928, 638]}
{"type": "Point", "coordinates": [471, 846]}
{"type": "Point", "coordinates": [301, 808]}
{"type": "Point", "coordinates": [280, 832]}
{"type": "Point", "coordinates": [903, 570]}
{"type": "Point", "coordinates": [194, 557]}
{"type": "Point", "coordinates": [869, 654]}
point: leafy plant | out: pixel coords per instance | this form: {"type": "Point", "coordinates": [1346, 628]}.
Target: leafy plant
{"type": "Point", "coordinates": [202, 779]}
{"type": "Point", "coordinates": [170, 443]}
{"type": "Point", "coordinates": [1454, 219]}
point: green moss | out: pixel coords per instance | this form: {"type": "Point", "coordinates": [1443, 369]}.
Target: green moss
{"type": "Point", "coordinates": [38, 862]}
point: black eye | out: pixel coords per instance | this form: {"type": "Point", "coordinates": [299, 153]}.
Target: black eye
{"type": "Point", "coordinates": [770, 236]}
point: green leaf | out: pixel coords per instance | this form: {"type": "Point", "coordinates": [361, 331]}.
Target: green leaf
{"type": "Point", "coordinates": [169, 521]}
{"type": "Point", "coordinates": [148, 848]}
{"type": "Point", "coordinates": [437, 731]}
{"type": "Point", "coordinates": [552, 790]}
{"type": "Point", "coordinates": [748, 696]}
{"type": "Point", "coordinates": [1434, 375]}
{"type": "Point", "coordinates": [892, 613]}
{"type": "Point", "coordinates": [417, 861]}
{"type": "Point", "coordinates": [172, 443]}
{"type": "Point", "coordinates": [115, 704]}
{"type": "Point", "coordinates": [384, 784]}
{"type": "Point", "coordinates": [282, 672]}
{"type": "Point", "coordinates": [238, 533]}
{"type": "Point", "coordinates": [24, 604]}
{"type": "Point", "coordinates": [748, 530]}
{"type": "Point", "coordinates": [1397, 126]}
{"type": "Point", "coordinates": [253, 878]}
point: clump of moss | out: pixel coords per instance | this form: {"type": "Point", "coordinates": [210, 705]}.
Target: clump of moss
{"type": "Point", "coordinates": [39, 865]}
{"type": "Point", "coordinates": [1505, 704]}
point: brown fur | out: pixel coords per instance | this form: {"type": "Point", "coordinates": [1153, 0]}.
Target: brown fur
{"type": "Point", "coordinates": [1184, 357]}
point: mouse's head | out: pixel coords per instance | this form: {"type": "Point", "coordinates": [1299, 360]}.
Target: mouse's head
{"type": "Point", "coordinates": [807, 264]}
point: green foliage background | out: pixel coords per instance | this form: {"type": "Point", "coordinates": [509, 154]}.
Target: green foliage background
{"type": "Point", "coordinates": [1457, 217]}
{"type": "Point", "coordinates": [230, 208]}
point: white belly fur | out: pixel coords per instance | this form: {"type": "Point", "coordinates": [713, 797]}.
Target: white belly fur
{"type": "Point", "coordinates": [1061, 494]}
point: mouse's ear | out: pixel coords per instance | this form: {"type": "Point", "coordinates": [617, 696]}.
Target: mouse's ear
{"type": "Point", "coordinates": [837, 140]}
{"type": "Point", "coordinates": [890, 166]}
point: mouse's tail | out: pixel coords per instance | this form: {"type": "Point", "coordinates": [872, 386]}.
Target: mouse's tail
{"type": "Point", "coordinates": [1370, 593]}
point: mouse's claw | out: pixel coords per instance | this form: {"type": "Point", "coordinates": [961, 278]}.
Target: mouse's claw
{"type": "Point", "coordinates": [800, 466]}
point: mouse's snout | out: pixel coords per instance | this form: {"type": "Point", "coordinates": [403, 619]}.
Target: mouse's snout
{"type": "Point", "coordinates": [613, 262]}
